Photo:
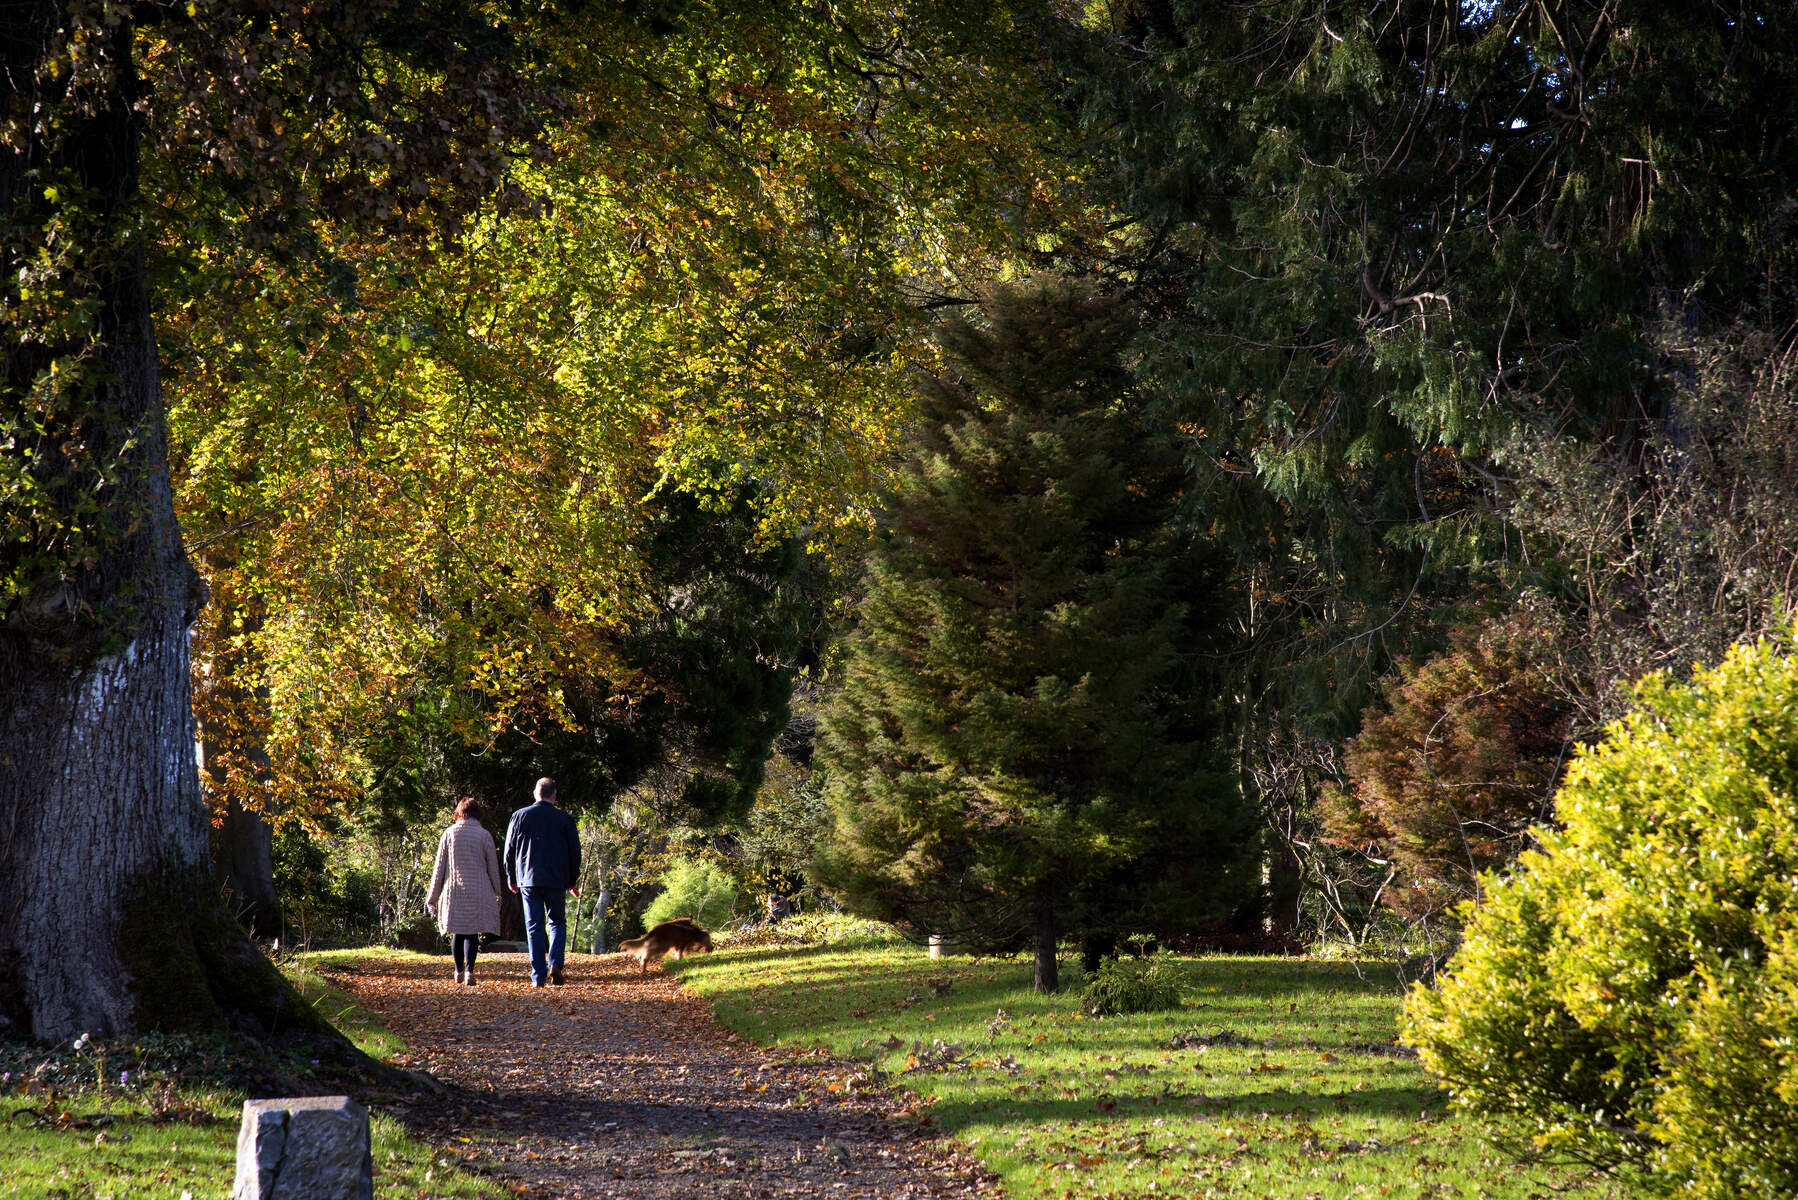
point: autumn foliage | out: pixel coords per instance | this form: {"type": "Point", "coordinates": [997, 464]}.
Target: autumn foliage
{"type": "Point", "coordinates": [1446, 779]}
{"type": "Point", "coordinates": [428, 467]}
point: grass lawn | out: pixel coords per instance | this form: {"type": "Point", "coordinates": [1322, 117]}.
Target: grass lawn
{"type": "Point", "coordinates": [1277, 1077]}
{"type": "Point", "coordinates": [156, 1118]}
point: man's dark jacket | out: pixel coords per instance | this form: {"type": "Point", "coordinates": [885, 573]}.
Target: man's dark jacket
{"type": "Point", "coordinates": [543, 848]}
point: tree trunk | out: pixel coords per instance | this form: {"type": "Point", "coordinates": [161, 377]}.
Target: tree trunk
{"type": "Point", "coordinates": [599, 918]}
{"type": "Point", "coordinates": [243, 850]}
{"type": "Point", "coordinates": [1282, 882]}
{"type": "Point", "coordinates": [1095, 948]}
{"type": "Point", "coordinates": [243, 861]}
{"type": "Point", "coordinates": [243, 865]}
{"type": "Point", "coordinates": [1048, 977]}
{"type": "Point", "coordinates": [108, 916]}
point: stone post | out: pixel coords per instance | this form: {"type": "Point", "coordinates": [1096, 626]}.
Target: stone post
{"type": "Point", "coordinates": [304, 1148]}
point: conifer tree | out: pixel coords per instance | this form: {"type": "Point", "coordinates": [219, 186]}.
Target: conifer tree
{"type": "Point", "coordinates": [1025, 742]}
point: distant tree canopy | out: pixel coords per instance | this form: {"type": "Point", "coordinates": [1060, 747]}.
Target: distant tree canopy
{"type": "Point", "coordinates": [1025, 741]}
{"type": "Point", "coordinates": [1379, 244]}
{"type": "Point", "coordinates": [706, 679]}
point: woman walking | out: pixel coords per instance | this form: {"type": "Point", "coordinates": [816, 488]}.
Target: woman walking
{"type": "Point", "coordinates": [467, 882]}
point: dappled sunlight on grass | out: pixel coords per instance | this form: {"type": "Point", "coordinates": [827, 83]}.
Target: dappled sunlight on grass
{"type": "Point", "coordinates": [1276, 1077]}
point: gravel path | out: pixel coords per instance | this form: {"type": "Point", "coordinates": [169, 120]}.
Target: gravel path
{"type": "Point", "coordinates": [616, 1085]}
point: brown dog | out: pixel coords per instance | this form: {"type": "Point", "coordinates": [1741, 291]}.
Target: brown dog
{"type": "Point", "coordinates": [678, 938]}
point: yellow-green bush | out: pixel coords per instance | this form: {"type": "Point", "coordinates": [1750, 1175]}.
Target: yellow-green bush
{"type": "Point", "coordinates": [1631, 992]}
{"type": "Point", "coordinates": [700, 890]}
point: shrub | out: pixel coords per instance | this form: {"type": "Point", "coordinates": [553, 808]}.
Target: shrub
{"type": "Point", "coordinates": [693, 889]}
{"type": "Point", "coordinates": [782, 833]}
{"type": "Point", "coordinates": [1631, 993]}
{"type": "Point", "coordinates": [1131, 986]}
{"type": "Point", "coordinates": [327, 897]}
{"type": "Point", "coordinates": [839, 930]}
{"type": "Point", "coordinates": [1446, 781]}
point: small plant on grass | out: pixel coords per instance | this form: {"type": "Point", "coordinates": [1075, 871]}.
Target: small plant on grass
{"type": "Point", "coordinates": [1132, 986]}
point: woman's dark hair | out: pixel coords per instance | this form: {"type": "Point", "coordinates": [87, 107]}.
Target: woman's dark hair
{"type": "Point", "coordinates": [468, 808]}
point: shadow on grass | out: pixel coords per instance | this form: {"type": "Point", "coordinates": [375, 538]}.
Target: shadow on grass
{"type": "Point", "coordinates": [957, 1115]}
{"type": "Point", "coordinates": [823, 987]}
{"type": "Point", "coordinates": [823, 967]}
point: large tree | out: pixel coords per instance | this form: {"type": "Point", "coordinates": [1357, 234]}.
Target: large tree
{"type": "Point", "coordinates": [439, 472]}
{"type": "Point", "coordinates": [292, 129]}
{"type": "Point", "coordinates": [303, 108]}
{"type": "Point", "coordinates": [1025, 740]}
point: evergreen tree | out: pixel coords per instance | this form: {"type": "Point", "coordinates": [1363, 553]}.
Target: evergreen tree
{"type": "Point", "coordinates": [1025, 740]}
{"type": "Point", "coordinates": [1397, 260]}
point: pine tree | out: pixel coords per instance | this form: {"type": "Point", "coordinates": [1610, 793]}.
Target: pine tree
{"type": "Point", "coordinates": [1025, 741]}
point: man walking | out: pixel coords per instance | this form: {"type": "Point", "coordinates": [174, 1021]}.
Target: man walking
{"type": "Point", "coordinates": [543, 861]}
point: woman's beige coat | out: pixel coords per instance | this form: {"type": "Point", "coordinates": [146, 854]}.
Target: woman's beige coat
{"type": "Point", "coordinates": [466, 884]}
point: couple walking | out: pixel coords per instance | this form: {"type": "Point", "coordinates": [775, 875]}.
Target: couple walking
{"type": "Point", "coordinates": [543, 863]}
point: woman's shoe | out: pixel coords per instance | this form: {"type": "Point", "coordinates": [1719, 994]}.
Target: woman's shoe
{"type": "Point", "coordinates": [471, 977]}
{"type": "Point", "coordinates": [459, 974]}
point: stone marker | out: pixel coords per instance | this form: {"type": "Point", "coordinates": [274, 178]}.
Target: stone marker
{"type": "Point", "coordinates": [942, 947]}
{"type": "Point", "coordinates": [304, 1148]}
